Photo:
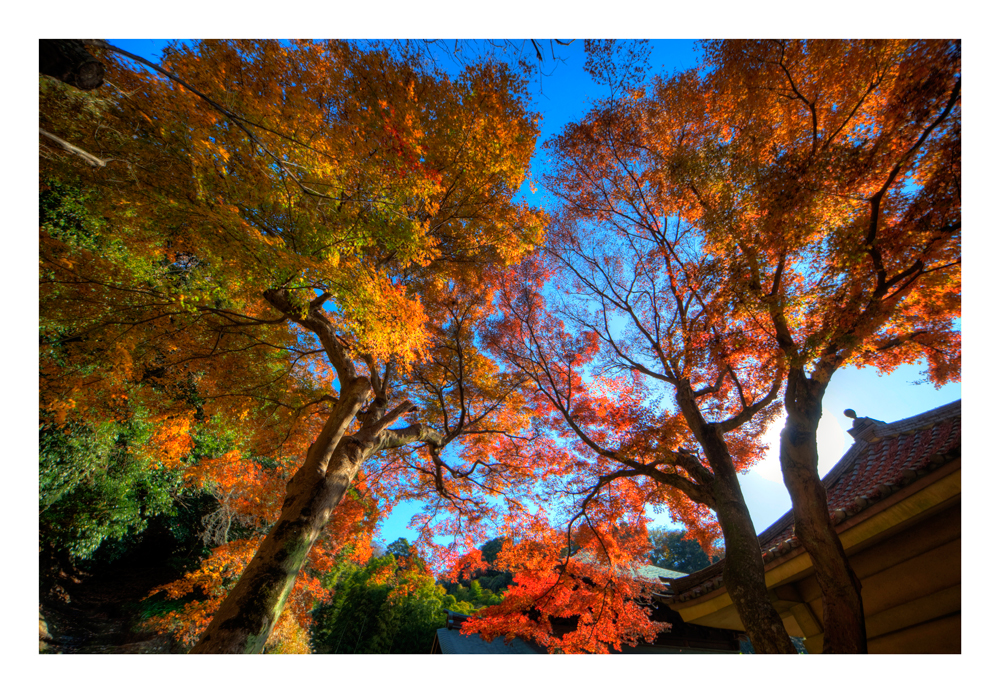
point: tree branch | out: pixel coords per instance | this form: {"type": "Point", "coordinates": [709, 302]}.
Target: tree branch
{"type": "Point", "coordinates": [317, 323]}
{"type": "Point", "coordinates": [414, 433]}
{"type": "Point", "coordinates": [73, 149]}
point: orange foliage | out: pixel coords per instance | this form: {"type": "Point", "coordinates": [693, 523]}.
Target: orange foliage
{"type": "Point", "coordinates": [591, 602]}
{"type": "Point", "coordinates": [171, 441]}
{"type": "Point", "coordinates": [263, 169]}
{"type": "Point", "coordinates": [791, 205]}
{"type": "Point", "coordinates": [836, 196]}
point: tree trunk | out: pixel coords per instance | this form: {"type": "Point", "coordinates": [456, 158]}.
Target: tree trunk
{"type": "Point", "coordinates": [843, 610]}
{"type": "Point", "coordinates": [69, 61]}
{"type": "Point", "coordinates": [743, 572]}
{"type": "Point", "coordinates": [246, 618]}
{"type": "Point", "coordinates": [250, 611]}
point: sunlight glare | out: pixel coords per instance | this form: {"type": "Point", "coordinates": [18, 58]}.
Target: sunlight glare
{"type": "Point", "coordinates": [830, 438]}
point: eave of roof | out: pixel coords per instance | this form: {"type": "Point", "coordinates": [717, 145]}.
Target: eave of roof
{"type": "Point", "coordinates": [891, 457]}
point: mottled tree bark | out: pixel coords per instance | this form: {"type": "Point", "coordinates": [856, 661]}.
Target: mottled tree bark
{"type": "Point", "coordinates": [843, 609]}
{"type": "Point", "coordinates": [249, 613]}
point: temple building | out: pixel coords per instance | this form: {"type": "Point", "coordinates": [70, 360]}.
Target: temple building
{"type": "Point", "coordinates": [895, 498]}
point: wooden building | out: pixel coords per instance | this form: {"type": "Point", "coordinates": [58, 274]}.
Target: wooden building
{"type": "Point", "coordinates": [895, 498]}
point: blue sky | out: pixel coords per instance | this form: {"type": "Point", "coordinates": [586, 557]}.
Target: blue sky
{"type": "Point", "coordinates": [563, 93]}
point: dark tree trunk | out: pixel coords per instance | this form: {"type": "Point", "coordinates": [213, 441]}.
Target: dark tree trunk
{"type": "Point", "coordinates": [69, 61]}
{"type": "Point", "coordinates": [843, 610]}
{"type": "Point", "coordinates": [743, 571]}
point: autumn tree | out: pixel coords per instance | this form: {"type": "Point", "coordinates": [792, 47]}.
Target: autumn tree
{"type": "Point", "coordinates": [606, 366]}
{"type": "Point", "coordinates": [278, 222]}
{"type": "Point", "coordinates": [821, 183]}
{"type": "Point", "coordinates": [626, 332]}
{"type": "Point", "coordinates": [827, 174]}
{"type": "Point", "coordinates": [586, 600]}
{"type": "Point", "coordinates": [489, 576]}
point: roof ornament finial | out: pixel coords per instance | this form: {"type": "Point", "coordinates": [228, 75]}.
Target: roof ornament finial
{"type": "Point", "coordinates": [862, 428]}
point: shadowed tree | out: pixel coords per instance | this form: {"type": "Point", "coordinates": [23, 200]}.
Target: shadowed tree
{"type": "Point", "coordinates": [673, 552]}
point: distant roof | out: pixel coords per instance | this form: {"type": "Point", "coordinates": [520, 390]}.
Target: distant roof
{"type": "Point", "coordinates": [649, 573]}
{"type": "Point", "coordinates": [652, 572]}
{"type": "Point", "coordinates": [453, 642]}
{"type": "Point", "coordinates": [884, 459]}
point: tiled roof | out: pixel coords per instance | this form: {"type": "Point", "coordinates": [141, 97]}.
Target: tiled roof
{"type": "Point", "coordinates": [884, 459]}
